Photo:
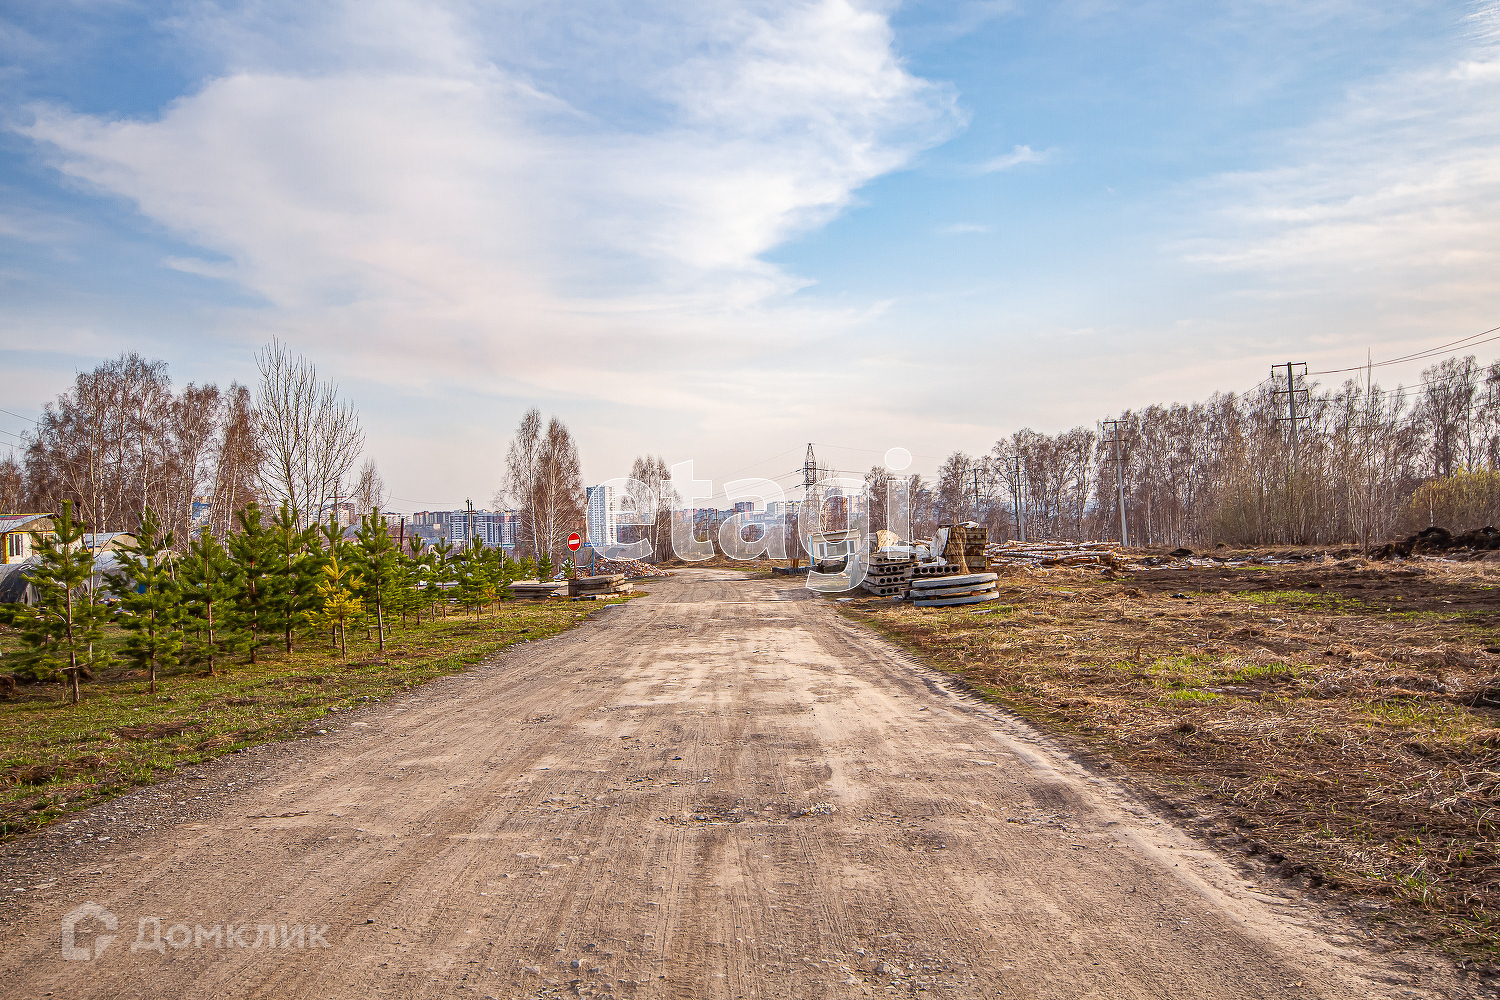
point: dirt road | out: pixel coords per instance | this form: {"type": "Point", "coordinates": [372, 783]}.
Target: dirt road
{"type": "Point", "coordinates": [720, 790]}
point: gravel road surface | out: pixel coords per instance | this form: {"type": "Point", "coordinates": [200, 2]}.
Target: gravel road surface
{"type": "Point", "coordinates": [720, 790]}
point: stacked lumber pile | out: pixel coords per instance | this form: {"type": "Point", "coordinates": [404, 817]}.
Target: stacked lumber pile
{"type": "Point", "coordinates": [1105, 555]}
{"type": "Point", "coordinates": [534, 589]}
{"type": "Point", "coordinates": [889, 573]}
{"type": "Point", "coordinates": [595, 587]}
{"type": "Point", "coordinates": [965, 588]}
{"type": "Point", "coordinates": [965, 547]}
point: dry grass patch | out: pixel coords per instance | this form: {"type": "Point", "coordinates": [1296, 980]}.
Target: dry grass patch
{"type": "Point", "coordinates": [1348, 745]}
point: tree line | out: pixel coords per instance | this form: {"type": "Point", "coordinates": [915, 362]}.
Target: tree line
{"type": "Point", "coordinates": [1370, 464]}
{"type": "Point", "coordinates": [121, 440]}
{"type": "Point", "coordinates": [273, 582]}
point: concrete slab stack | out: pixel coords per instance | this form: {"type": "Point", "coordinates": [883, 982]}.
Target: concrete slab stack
{"type": "Point", "coordinates": [966, 588]}
{"type": "Point", "coordinates": [599, 586]}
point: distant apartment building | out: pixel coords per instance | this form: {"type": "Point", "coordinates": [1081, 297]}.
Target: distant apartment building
{"type": "Point", "coordinates": [782, 508]}
{"type": "Point", "coordinates": [496, 528]}
{"type": "Point", "coordinates": [604, 516]}
{"type": "Point", "coordinates": [628, 527]}
{"type": "Point", "coordinates": [343, 513]}
{"type": "Point", "coordinates": [437, 519]}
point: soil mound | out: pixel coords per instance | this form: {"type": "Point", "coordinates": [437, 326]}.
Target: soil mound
{"type": "Point", "coordinates": [1431, 540]}
{"type": "Point", "coordinates": [1436, 539]}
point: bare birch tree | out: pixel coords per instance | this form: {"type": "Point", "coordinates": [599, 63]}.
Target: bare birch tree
{"type": "Point", "coordinates": [560, 499]}
{"type": "Point", "coordinates": [14, 496]}
{"type": "Point", "coordinates": [954, 493]}
{"type": "Point", "coordinates": [308, 438]}
{"type": "Point", "coordinates": [369, 489]}
{"type": "Point", "coordinates": [521, 474]}
{"type": "Point", "coordinates": [190, 446]}
{"type": "Point", "coordinates": [237, 461]}
{"type": "Point", "coordinates": [651, 496]}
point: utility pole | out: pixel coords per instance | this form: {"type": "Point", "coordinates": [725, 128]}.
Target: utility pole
{"type": "Point", "coordinates": [1292, 394]}
{"type": "Point", "coordinates": [1020, 501]}
{"type": "Point", "coordinates": [1370, 446]}
{"type": "Point", "coordinates": [809, 483]}
{"type": "Point", "coordinates": [1114, 439]}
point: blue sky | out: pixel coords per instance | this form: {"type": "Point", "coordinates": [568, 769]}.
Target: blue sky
{"type": "Point", "coordinates": [719, 230]}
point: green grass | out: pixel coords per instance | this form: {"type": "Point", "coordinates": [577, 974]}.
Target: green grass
{"type": "Point", "coordinates": [57, 758]}
{"type": "Point", "coordinates": [1191, 695]}
{"type": "Point", "coordinates": [1441, 720]}
{"type": "Point", "coordinates": [1302, 600]}
{"type": "Point", "coordinates": [1250, 673]}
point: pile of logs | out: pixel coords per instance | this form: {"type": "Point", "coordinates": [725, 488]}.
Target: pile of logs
{"type": "Point", "coordinates": [596, 587]}
{"type": "Point", "coordinates": [1048, 554]}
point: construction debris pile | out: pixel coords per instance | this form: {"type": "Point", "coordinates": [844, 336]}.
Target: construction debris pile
{"type": "Point", "coordinates": [948, 570]}
{"type": "Point", "coordinates": [631, 569]}
{"type": "Point", "coordinates": [596, 588]}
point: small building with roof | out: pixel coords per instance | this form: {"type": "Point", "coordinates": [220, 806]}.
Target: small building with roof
{"type": "Point", "coordinates": [15, 535]}
{"type": "Point", "coordinates": [109, 541]}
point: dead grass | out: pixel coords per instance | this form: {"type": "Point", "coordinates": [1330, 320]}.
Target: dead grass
{"type": "Point", "coordinates": [1349, 745]}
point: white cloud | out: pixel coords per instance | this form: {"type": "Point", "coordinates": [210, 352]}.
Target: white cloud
{"type": "Point", "coordinates": [1015, 158]}
{"type": "Point", "coordinates": [1395, 198]}
{"type": "Point", "coordinates": [383, 180]}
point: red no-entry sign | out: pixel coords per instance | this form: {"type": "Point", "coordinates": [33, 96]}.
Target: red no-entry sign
{"type": "Point", "coordinates": [575, 541]}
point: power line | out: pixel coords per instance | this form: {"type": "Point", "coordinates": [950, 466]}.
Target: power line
{"type": "Point", "coordinates": [18, 416]}
{"type": "Point", "coordinates": [1254, 387]}
{"type": "Point", "coordinates": [1418, 355]}
{"type": "Point", "coordinates": [754, 464]}
{"type": "Point", "coordinates": [872, 451]}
